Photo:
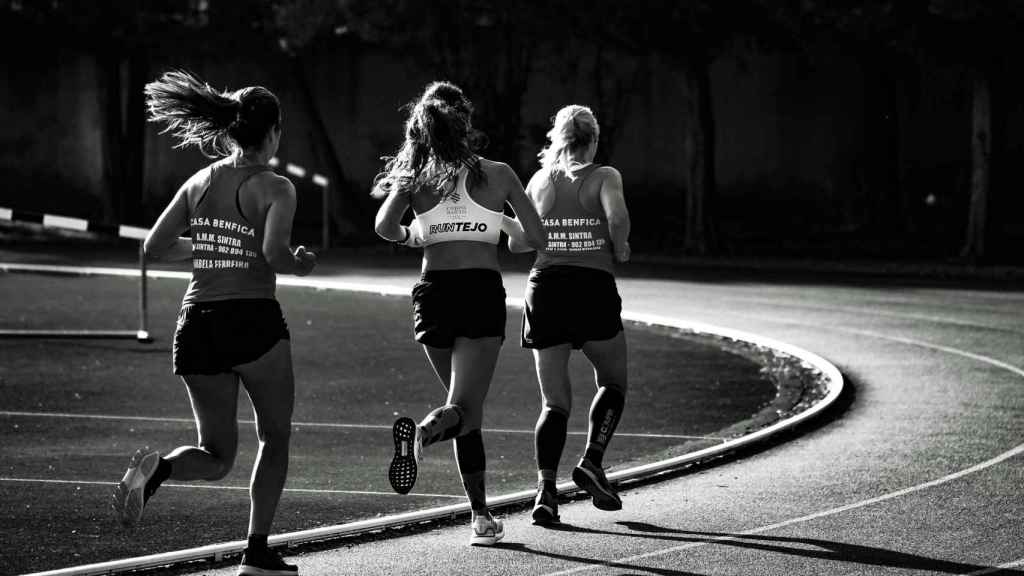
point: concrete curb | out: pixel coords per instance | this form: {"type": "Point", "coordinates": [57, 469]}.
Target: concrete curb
{"type": "Point", "coordinates": [811, 361]}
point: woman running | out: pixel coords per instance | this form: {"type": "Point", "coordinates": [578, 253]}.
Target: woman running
{"type": "Point", "coordinates": [572, 302]}
{"type": "Point", "coordinates": [230, 328]}
{"type": "Point", "coordinates": [458, 200]}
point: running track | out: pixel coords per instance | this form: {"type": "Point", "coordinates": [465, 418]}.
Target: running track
{"type": "Point", "coordinates": [922, 474]}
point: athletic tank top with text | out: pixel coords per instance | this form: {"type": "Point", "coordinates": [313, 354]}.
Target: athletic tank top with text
{"type": "Point", "coordinates": [576, 236]}
{"type": "Point", "coordinates": [227, 245]}
{"type": "Point", "coordinates": [458, 217]}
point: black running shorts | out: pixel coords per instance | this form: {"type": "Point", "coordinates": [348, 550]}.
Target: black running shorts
{"type": "Point", "coordinates": [214, 337]}
{"type": "Point", "coordinates": [570, 304]}
{"type": "Point", "coordinates": [450, 303]}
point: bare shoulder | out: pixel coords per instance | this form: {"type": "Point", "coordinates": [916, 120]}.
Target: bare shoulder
{"type": "Point", "coordinates": [609, 174]}
{"type": "Point", "coordinates": [498, 171]}
{"type": "Point", "coordinates": [539, 179]}
{"type": "Point", "coordinates": [274, 185]}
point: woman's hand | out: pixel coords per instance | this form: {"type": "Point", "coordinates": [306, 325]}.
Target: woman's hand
{"type": "Point", "coordinates": [305, 261]}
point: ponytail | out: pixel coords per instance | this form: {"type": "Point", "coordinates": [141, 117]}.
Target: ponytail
{"type": "Point", "coordinates": [573, 127]}
{"type": "Point", "coordinates": [438, 135]}
{"type": "Point", "coordinates": [215, 122]}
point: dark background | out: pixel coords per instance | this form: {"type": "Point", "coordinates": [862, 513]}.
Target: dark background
{"type": "Point", "coordinates": [838, 129]}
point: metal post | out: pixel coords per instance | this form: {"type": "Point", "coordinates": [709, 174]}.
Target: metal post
{"type": "Point", "coordinates": [325, 227]}
{"type": "Point", "coordinates": [143, 334]}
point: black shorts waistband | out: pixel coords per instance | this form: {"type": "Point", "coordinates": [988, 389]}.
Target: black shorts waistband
{"type": "Point", "coordinates": [462, 274]}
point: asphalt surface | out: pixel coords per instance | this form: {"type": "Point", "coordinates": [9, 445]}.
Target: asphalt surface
{"type": "Point", "coordinates": [920, 473]}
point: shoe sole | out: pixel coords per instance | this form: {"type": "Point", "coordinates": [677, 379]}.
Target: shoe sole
{"type": "Point", "coordinates": [545, 516]}
{"type": "Point", "coordinates": [486, 540]}
{"type": "Point", "coordinates": [128, 498]}
{"type": "Point", "coordinates": [402, 472]}
{"type": "Point", "coordinates": [602, 498]}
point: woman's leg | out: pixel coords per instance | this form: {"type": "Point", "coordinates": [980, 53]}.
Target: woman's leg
{"type": "Point", "coordinates": [556, 396]}
{"type": "Point", "coordinates": [215, 405]}
{"type": "Point", "coordinates": [270, 384]}
{"type": "Point", "coordinates": [214, 402]}
{"type": "Point", "coordinates": [473, 362]}
{"type": "Point", "coordinates": [549, 436]}
{"type": "Point", "coordinates": [444, 422]}
{"type": "Point", "coordinates": [610, 360]}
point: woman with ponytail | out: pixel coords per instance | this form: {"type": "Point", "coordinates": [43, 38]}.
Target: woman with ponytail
{"type": "Point", "coordinates": [230, 329]}
{"type": "Point", "coordinates": [458, 200]}
{"type": "Point", "coordinates": [572, 302]}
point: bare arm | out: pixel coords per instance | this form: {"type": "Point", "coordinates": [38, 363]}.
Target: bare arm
{"type": "Point", "coordinates": [164, 241]}
{"type": "Point", "coordinates": [614, 204]}
{"type": "Point", "coordinates": [388, 223]}
{"type": "Point", "coordinates": [278, 232]}
{"type": "Point", "coordinates": [527, 232]}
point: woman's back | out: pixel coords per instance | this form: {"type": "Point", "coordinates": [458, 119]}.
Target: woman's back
{"type": "Point", "coordinates": [575, 220]}
{"type": "Point", "coordinates": [490, 194]}
{"type": "Point", "coordinates": [227, 217]}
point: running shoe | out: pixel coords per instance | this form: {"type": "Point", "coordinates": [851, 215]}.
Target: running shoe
{"type": "Point", "coordinates": [402, 472]}
{"type": "Point", "coordinates": [265, 562]}
{"type": "Point", "coordinates": [591, 478]}
{"type": "Point", "coordinates": [487, 530]}
{"type": "Point", "coordinates": [128, 498]}
{"type": "Point", "coordinates": [545, 507]}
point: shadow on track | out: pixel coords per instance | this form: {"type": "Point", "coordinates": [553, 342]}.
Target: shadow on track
{"type": "Point", "coordinates": [516, 547]}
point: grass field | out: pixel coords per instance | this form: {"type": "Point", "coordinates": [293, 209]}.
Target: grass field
{"type": "Point", "coordinates": [72, 411]}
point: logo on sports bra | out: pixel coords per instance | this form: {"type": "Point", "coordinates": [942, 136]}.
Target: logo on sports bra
{"type": "Point", "coordinates": [457, 227]}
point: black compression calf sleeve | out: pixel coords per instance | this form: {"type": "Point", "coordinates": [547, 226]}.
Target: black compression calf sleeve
{"type": "Point", "coordinates": [549, 439]}
{"type": "Point", "coordinates": [469, 453]}
{"type": "Point", "coordinates": [605, 413]}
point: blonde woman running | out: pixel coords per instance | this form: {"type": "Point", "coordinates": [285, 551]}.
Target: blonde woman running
{"type": "Point", "coordinates": [572, 302]}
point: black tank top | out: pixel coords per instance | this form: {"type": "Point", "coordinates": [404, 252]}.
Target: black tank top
{"type": "Point", "coordinates": [576, 236]}
{"type": "Point", "coordinates": [227, 245]}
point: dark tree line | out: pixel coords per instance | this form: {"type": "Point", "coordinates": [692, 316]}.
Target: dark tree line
{"type": "Point", "coordinates": [490, 47]}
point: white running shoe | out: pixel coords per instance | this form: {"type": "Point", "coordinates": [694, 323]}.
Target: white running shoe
{"type": "Point", "coordinates": [487, 531]}
{"type": "Point", "coordinates": [129, 495]}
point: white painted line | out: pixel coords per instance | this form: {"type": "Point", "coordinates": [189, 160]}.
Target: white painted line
{"type": "Point", "coordinates": [995, 569]}
{"type": "Point", "coordinates": [830, 512]}
{"type": "Point", "coordinates": [65, 222]}
{"type": "Point", "coordinates": [811, 360]}
{"type": "Point", "coordinates": [6, 214]}
{"type": "Point", "coordinates": [132, 232]}
{"type": "Point", "coordinates": [295, 170]}
{"type": "Point", "coordinates": [233, 488]}
{"type": "Point", "coordinates": [320, 180]}
{"type": "Point", "coordinates": [73, 415]}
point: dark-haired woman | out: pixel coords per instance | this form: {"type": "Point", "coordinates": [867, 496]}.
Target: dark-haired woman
{"type": "Point", "coordinates": [572, 302]}
{"type": "Point", "coordinates": [458, 200]}
{"type": "Point", "coordinates": [230, 328]}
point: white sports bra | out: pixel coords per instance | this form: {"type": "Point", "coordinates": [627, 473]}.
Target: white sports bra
{"type": "Point", "coordinates": [457, 217]}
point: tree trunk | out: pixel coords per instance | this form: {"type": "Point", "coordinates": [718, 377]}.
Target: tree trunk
{"type": "Point", "coordinates": [981, 142]}
{"type": "Point", "coordinates": [699, 160]}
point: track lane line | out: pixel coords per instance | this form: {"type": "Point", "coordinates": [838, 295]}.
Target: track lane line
{"type": "Point", "coordinates": [809, 359]}
{"type": "Point", "coordinates": [217, 487]}
{"type": "Point", "coordinates": [997, 569]}
{"type": "Point", "coordinates": [624, 561]}
{"type": "Point", "coordinates": [1016, 450]}
{"type": "Point", "coordinates": [73, 415]}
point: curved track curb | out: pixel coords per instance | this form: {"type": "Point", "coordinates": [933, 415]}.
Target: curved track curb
{"type": "Point", "coordinates": [833, 379]}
